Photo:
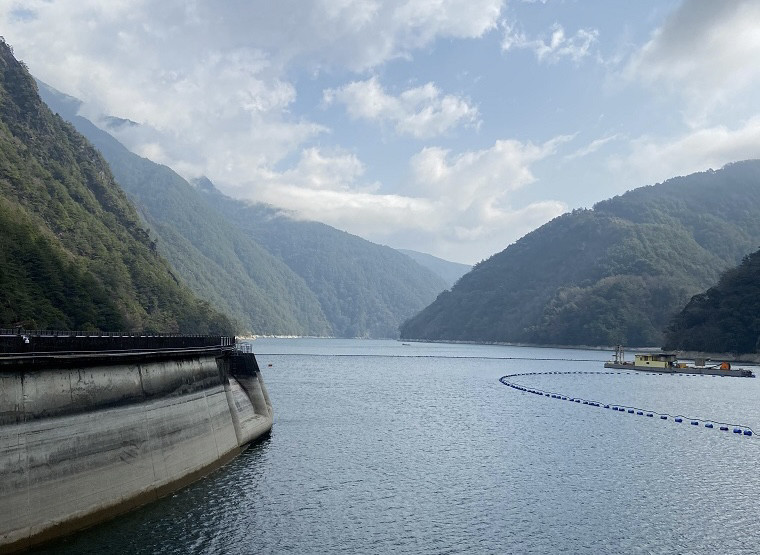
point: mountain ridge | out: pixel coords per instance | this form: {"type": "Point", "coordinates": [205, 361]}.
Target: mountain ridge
{"type": "Point", "coordinates": [73, 252]}
{"type": "Point", "coordinates": [723, 319]}
{"type": "Point", "coordinates": [612, 274]}
{"type": "Point", "coordinates": [335, 296]}
{"type": "Point", "coordinates": [446, 269]}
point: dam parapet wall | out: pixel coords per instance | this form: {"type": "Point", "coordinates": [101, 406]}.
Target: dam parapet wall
{"type": "Point", "coordinates": [91, 433]}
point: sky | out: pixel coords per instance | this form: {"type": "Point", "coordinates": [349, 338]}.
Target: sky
{"type": "Point", "coordinates": [452, 127]}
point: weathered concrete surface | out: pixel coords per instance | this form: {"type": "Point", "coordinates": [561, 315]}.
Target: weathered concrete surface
{"type": "Point", "coordinates": [81, 445]}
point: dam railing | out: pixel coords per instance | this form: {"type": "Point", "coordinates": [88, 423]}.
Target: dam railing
{"type": "Point", "coordinates": [18, 341]}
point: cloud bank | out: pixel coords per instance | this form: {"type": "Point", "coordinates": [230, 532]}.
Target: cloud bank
{"type": "Point", "coordinates": [421, 112]}
{"type": "Point", "coordinates": [306, 104]}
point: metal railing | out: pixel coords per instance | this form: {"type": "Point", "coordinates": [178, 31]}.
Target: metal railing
{"type": "Point", "coordinates": [18, 340]}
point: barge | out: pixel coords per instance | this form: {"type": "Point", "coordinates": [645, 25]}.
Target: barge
{"type": "Point", "coordinates": [667, 363]}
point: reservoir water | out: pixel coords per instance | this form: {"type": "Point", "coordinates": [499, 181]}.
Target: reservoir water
{"type": "Point", "coordinates": [382, 447]}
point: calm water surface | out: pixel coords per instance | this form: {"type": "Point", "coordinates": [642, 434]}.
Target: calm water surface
{"type": "Point", "coordinates": [382, 447]}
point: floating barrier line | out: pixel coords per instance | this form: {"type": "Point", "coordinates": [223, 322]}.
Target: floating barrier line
{"type": "Point", "coordinates": [723, 426]}
{"type": "Point", "coordinates": [465, 357]}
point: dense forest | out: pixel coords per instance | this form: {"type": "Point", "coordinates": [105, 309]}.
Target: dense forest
{"type": "Point", "coordinates": [725, 318]}
{"type": "Point", "coordinates": [449, 271]}
{"type": "Point", "coordinates": [73, 251]}
{"type": "Point", "coordinates": [218, 262]}
{"type": "Point", "coordinates": [365, 290]}
{"type": "Point", "coordinates": [272, 273]}
{"type": "Point", "coordinates": [613, 274]}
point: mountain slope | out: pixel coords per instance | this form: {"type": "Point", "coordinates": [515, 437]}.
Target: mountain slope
{"type": "Point", "coordinates": [273, 273]}
{"type": "Point", "coordinates": [449, 271]}
{"type": "Point", "coordinates": [725, 318]}
{"type": "Point", "coordinates": [219, 263]}
{"type": "Point", "coordinates": [73, 252]}
{"type": "Point", "coordinates": [614, 274]}
{"type": "Point", "coordinates": [366, 290]}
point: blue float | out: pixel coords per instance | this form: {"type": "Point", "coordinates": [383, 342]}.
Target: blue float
{"type": "Point", "coordinates": [737, 430]}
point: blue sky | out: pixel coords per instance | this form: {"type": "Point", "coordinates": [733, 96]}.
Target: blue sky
{"type": "Point", "coordinates": [451, 127]}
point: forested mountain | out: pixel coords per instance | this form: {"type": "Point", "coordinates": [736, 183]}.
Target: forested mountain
{"type": "Point", "coordinates": [273, 273]}
{"type": "Point", "coordinates": [73, 251]}
{"type": "Point", "coordinates": [725, 318]}
{"type": "Point", "coordinates": [220, 263]}
{"type": "Point", "coordinates": [366, 290]}
{"type": "Point", "coordinates": [613, 274]}
{"type": "Point", "coordinates": [449, 271]}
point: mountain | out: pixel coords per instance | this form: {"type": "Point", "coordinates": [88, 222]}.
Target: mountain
{"type": "Point", "coordinates": [613, 274]}
{"type": "Point", "coordinates": [218, 262]}
{"type": "Point", "coordinates": [273, 273]}
{"type": "Point", "coordinates": [450, 272]}
{"type": "Point", "coordinates": [365, 289]}
{"type": "Point", "coordinates": [725, 318]}
{"type": "Point", "coordinates": [73, 251]}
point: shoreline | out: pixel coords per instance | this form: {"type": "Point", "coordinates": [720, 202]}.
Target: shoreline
{"type": "Point", "coordinates": [745, 358]}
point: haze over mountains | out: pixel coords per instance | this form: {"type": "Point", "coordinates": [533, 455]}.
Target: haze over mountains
{"type": "Point", "coordinates": [449, 271]}
{"type": "Point", "coordinates": [76, 254]}
{"type": "Point", "coordinates": [272, 273]}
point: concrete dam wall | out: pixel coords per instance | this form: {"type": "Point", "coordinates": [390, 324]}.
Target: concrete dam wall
{"type": "Point", "coordinates": [89, 434]}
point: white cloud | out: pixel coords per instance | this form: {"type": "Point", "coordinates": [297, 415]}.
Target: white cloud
{"type": "Point", "coordinates": [363, 34]}
{"type": "Point", "coordinates": [336, 171]}
{"type": "Point", "coordinates": [705, 53]}
{"type": "Point", "coordinates": [457, 205]}
{"type": "Point", "coordinates": [558, 46]}
{"type": "Point", "coordinates": [470, 176]}
{"type": "Point", "coordinates": [653, 160]}
{"type": "Point", "coordinates": [328, 187]}
{"type": "Point", "coordinates": [207, 80]}
{"type": "Point", "coordinates": [211, 85]}
{"type": "Point", "coordinates": [592, 147]}
{"type": "Point", "coordinates": [421, 112]}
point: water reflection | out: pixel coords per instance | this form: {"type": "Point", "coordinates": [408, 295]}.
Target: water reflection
{"type": "Point", "coordinates": [408, 450]}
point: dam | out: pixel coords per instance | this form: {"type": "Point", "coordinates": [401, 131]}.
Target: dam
{"type": "Point", "coordinates": [93, 425]}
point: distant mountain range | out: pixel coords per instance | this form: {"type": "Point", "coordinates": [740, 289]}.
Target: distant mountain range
{"type": "Point", "coordinates": [74, 253]}
{"type": "Point", "coordinates": [449, 271]}
{"type": "Point", "coordinates": [272, 273]}
{"type": "Point", "coordinates": [614, 274]}
{"type": "Point", "coordinates": [364, 289]}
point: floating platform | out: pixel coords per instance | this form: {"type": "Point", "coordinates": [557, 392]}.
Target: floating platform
{"type": "Point", "coordinates": [667, 363]}
{"type": "Point", "coordinates": [703, 370]}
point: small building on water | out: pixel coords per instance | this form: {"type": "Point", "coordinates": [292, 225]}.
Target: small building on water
{"type": "Point", "coordinates": [655, 360]}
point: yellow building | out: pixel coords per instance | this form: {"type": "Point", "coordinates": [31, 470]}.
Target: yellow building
{"type": "Point", "coordinates": [664, 360]}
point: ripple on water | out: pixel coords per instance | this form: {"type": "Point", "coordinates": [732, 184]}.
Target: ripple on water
{"type": "Point", "coordinates": [434, 455]}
